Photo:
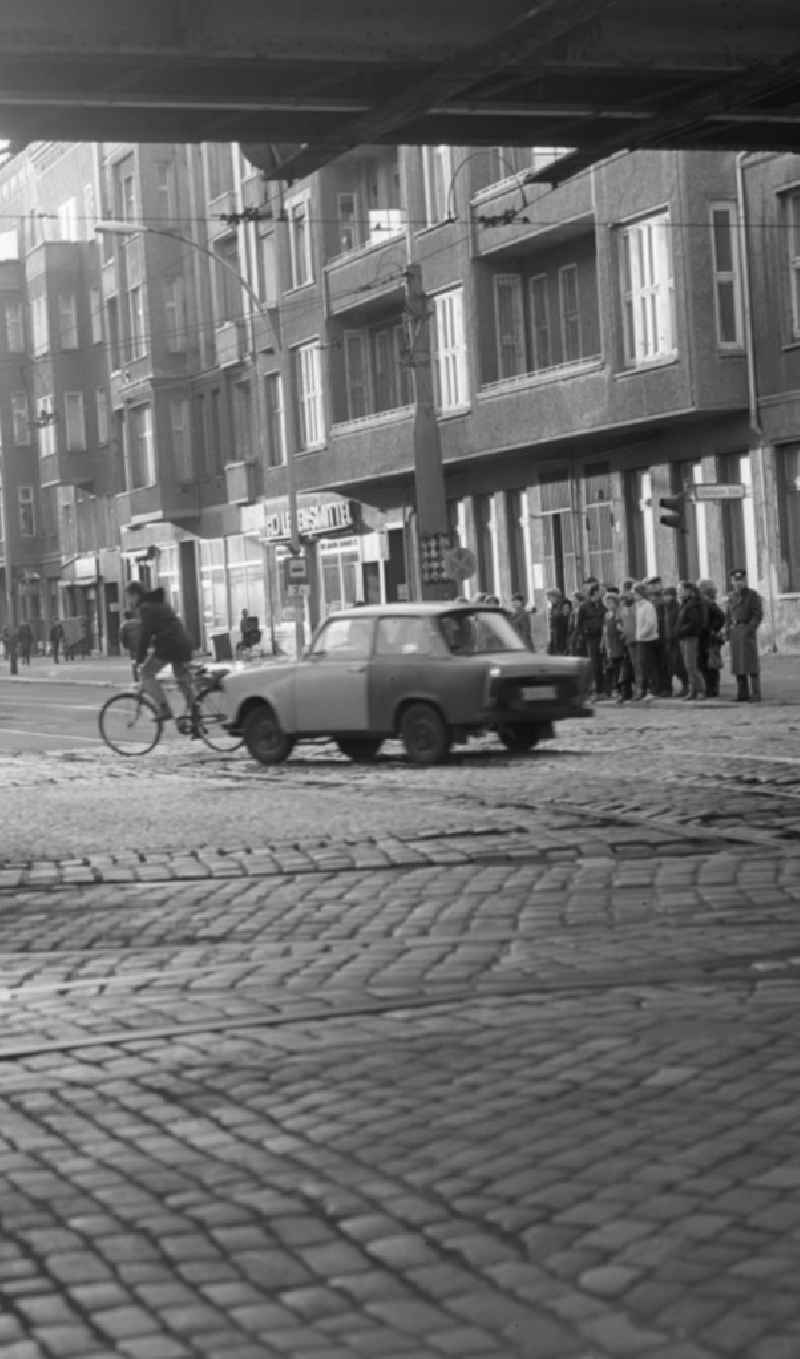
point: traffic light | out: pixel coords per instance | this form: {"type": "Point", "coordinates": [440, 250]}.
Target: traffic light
{"type": "Point", "coordinates": [675, 518]}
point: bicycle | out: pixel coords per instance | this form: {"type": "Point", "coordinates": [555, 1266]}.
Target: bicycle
{"type": "Point", "coordinates": [131, 724]}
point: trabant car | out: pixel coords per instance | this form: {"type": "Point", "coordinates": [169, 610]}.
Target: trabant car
{"type": "Point", "coordinates": [431, 673]}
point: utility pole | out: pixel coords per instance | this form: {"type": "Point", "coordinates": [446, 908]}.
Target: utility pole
{"type": "Point", "coordinates": [433, 533]}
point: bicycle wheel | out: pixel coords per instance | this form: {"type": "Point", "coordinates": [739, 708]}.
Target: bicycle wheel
{"type": "Point", "coordinates": [213, 717]}
{"type": "Point", "coordinates": [129, 724]}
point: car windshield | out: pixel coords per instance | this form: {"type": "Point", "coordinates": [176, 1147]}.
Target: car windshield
{"type": "Point", "coordinates": [478, 632]}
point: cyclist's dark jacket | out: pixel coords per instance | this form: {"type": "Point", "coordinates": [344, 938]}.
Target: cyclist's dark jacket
{"type": "Point", "coordinates": [162, 630]}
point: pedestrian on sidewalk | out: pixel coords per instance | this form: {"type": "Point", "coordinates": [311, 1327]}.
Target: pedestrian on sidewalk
{"type": "Point", "coordinates": [690, 628]}
{"type": "Point", "coordinates": [677, 670]}
{"type": "Point", "coordinates": [590, 627]}
{"type": "Point", "coordinates": [576, 645]}
{"type": "Point", "coordinates": [558, 612]}
{"type": "Point", "coordinates": [613, 647]}
{"type": "Point", "coordinates": [745, 612]}
{"type": "Point", "coordinates": [520, 620]}
{"type": "Point", "coordinates": [711, 639]}
{"type": "Point", "coordinates": [627, 625]}
{"type": "Point", "coordinates": [11, 647]}
{"type": "Point", "coordinates": [646, 652]}
{"type": "Point", "coordinates": [56, 638]}
{"type": "Point", "coordinates": [25, 640]}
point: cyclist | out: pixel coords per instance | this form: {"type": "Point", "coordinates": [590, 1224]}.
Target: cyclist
{"type": "Point", "coordinates": [163, 640]}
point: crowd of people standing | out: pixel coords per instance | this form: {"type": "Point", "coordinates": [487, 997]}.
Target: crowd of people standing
{"type": "Point", "coordinates": [643, 637]}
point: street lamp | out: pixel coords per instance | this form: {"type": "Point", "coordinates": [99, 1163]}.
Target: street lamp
{"type": "Point", "coordinates": [115, 228]}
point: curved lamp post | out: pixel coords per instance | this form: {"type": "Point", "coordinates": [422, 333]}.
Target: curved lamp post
{"type": "Point", "coordinates": [116, 228]}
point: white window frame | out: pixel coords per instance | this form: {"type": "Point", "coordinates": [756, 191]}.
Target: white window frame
{"type": "Point", "coordinates": [727, 277]}
{"type": "Point", "coordinates": [362, 337]}
{"type": "Point", "coordinates": [96, 314]}
{"type": "Point", "coordinates": [310, 394]}
{"type": "Point", "coordinates": [166, 191]}
{"type": "Point", "coordinates": [180, 435]}
{"type": "Point", "coordinates": [175, 314]}
{"type": "Point", "coordinates": [436, 213]}
{"type": "Point", "coordinates": [20, 419]}
{"type": "Point", "coordinates": [514, 281]}
{"type": "Point", "coordinates": [793, 235]}
{"type": "Point", "coordinates": [564, 271]}
{"type": "Point", "coordinates": [538, 366]}
{"type": "Point", "coordinates": [355, 223]}
{"type": "Point", "coordinates": [103, 414]}
{"type": "Point", "coordinates": [89, 212]}
{"type": "Point", "coordinates": [647, 286]}
{"type": "Point", "coordinates": [300, 201]}
{"type": "Point", "coordinates": [74, 422]}
{"type": "Point", "coordinates": [45, 411]}
{"type": "Point", "coordinates": [68, 226]}
{"type": "Point", "coordinates": [143, 434]}
{"type": "Point", "coordinates": [276, 415]}
{"type": "Point", "coordinates": [68, 321]}
{"type": "Point", "coordinates": [26, 499]}
{"type": "Point", "coordinates": [450, 351]}
{"type": "Point", "coordinates": [15, 327]}
{"type": "Point", "coordinates": [137, 343]}
{"type": "Point", "coordinates": [40, 324]}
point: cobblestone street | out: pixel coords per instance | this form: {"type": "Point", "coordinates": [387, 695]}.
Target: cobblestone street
{"type": "Point", "coordinates": [494, 1060]}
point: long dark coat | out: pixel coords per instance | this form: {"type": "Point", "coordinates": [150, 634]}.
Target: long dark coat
{"type": "Point", "coordinates": [745, 612]}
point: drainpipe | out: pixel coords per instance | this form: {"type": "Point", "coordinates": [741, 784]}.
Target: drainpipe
{"type": "Point", "coordinates": [752, 380]}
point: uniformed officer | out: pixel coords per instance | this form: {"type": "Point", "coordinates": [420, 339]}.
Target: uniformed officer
{"type": "Point", "coordinates": [744, 614]}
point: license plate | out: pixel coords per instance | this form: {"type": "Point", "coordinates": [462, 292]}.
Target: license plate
{"type": "Point", "coordinates": [531, 693]}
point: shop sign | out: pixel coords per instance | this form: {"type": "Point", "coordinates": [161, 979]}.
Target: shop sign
{"type": "Point", "coordinates": [319, 517]}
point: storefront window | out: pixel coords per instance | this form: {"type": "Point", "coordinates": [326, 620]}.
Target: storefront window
{"type": "Point", "coordinates": [788, 477]}
{"type": "Point", "coordinates": [339, 571]}
{"type": "Point", "coordinates": [246, 580]}
{"type": "Point", "coordinates": [169, 576]}
{"type": "Point", "coordinates": [212, 589]}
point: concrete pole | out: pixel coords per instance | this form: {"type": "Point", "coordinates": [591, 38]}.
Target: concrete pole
{"type": "Point", "coordinates": [431, 505]}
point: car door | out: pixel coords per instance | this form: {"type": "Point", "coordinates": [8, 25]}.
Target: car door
{"type": "Point", "coordinates": [331, 684]}
{"type": "Point", "coordinates": [407, 655]}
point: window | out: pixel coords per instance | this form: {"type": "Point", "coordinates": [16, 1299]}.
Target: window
{"type": "Point", "coordinates": [96, 315]}
{"type": "Point", "coordinates": [242, 422]}
{"type": "Point", "coordinates": [483, 512]}
{"type": "Point", "coordinates": [276, 452]}
{"type": "Point", "coordinates": [136, 336]}
{"type": "Point", "coordinates": [345, 639]}
{"type": "Point", "coordinates": [175, 310]}
{"type": "Point", "coordinates": [27, 511]}
{"type": "Point", "coordinates": [436, 181]}
{"type": "Point", "coordinates": [356, 374]}
{"type": "Point", "coordinates": [216, 431]}
{"type": "Point", "coordinates": [450, 366]}
{"type": "Point", "coordinates": [569, 309]}
{"type": "Point", "coordinates": [787, 467]}
{"type": "Point", "coordinates": [89, 212]}
{"type": "Point", "coordinates": [20, 421]}
{"type": "Point", "coordinates": [67, 321]}
{"type": "Point", "coordinates": [647, 290]}
{"type": "Point", "coordinates": [385, 368]}
{"type": "Point", "coordinates": [101, 405]}
{"type": "Point", "coordinates": [75, 420]}
{"type": "Point", "coordinates": [540, 323]}
{"type": "Point", "coordinates": [68, 220]}
{"type": "Point", "coordinates": [45, 412]}
{"type": "Point", "coordinates": [227, 289]}
{"type": "Point", "coordinates": [15, 328]}
{"type": "Point", "coordinates": [165, 191]}
{"type": "Point", "coordinates": [113, 333]}
{"type": "Point", "coordinates": [349, 236]}
{"type": "Point", "coordinates": [408, 637]}
{"type": "Point", "coordinates": [509, 325]}
{"type": "Point", "coordinates": [267, 269]}
{"type": "Point", "coordinates": [39, 325]}
{"type": "Point", "coordinates": [219, 168]}
{"type": "Point", "coordinates": [542, 156]}
{"type": "Point", "coordinates": [199, 434]}
{"type": "Point", "coordinates": [181, 439]}
{"type": "Point", "coordinates": [125, 190]}
{"type": "Point", "coordinates": [300, 240]}
{"type": "Point", "coordinates": [793, 215]}
{"type": "Point", "coordinates": [309, 388]}
{"type": "Point", "coordinates": [727, 290]}
{"type": "Point", "coordinates": [141, 452]}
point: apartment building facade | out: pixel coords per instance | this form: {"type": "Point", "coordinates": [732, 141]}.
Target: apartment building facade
{"type": "Point", "coordinates": [589, 355]}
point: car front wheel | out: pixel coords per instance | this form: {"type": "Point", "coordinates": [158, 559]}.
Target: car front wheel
{"type": "Point", "coordinates": [517, 739]}
{"type": "Point", "coordinates": [264, 737]}
{"type": "Point", "coordinates": [424, 735]}
{"type": "Point", "coordinates": [362, 749]}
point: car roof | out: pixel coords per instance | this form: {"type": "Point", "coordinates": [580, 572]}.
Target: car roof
{"type": "Point", "coordinates": [425, 607]}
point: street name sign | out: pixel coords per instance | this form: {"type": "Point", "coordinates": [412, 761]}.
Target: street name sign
{"type": "Point", "coordinates": [718, 491]}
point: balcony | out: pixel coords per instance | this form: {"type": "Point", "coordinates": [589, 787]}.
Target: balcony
{"type": "Point", "coordinates": [373, 271]}
{"type": "Point", "coordinates": [66, 469]}
{"type": "Point", "coordinates": [371, 448]}
{"type": "Point", "coordinates": [231, 343]}
{"type": "Point", "coordinates": [567, 399]}
{"type": "Point", "coordinates": [536, 212]}
{"type": "Point", "coordinates": [242, 482]}
{"type": "Point", "coordinates": [166, 501]}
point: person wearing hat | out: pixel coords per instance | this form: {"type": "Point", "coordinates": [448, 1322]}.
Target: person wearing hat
{"type": "Point", "coordinates": [575, 642]}
{"type": "Point", "coordinates": [689, 629]}
{"type": "Point", "coordinates": [710, 652]}
{"type": "Point", "coordinates": [558, 612]}
{"type": "Point", "coordinates": [745, 612]}
{"type": "Point", "coordinates": [590, 627]}
{"type": "Point", "coordinates": [677, 670]}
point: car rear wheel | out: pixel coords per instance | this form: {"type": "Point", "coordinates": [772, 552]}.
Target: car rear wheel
{"type": "Point", "coordinates": [264, 737]}
{"type": "Point", "coordinates": [518, 739]}
{"type": "Point", "coordinates": [362, 749]}
{"type": "Point", "coordinates": [424, 735]}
